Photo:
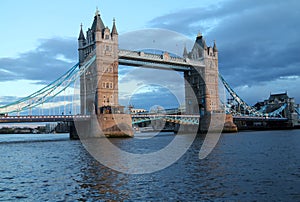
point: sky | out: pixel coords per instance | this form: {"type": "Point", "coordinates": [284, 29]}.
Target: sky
{"type": "Point", "coordinates": [257, 40]}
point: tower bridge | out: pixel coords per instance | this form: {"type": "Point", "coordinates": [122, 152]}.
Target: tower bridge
{"type": "Point", "coordinates": [99, 88]}
{"type": "Point", "coordinates": [97, 70]}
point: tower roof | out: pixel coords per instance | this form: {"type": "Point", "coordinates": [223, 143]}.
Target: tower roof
{"type": "Point", "coordinates": [200, 41]}
{"type": "Point", "coordinates": [114, 28]}
{"type": "Point", "coordinates": [185, 53]}
{"type": "Point", "coordinates": [98, 24]}
{"type": "Point", "coordinates": [280, 96]}
{"type": "Point", "coordinates": [204, 44]}
{"type": "Point", "coordinates": [215, 49]}
{"type": "Point", "coordinates": [81, 35]}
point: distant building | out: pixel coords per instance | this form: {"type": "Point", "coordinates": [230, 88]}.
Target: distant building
{"type": "Point", "coordinates": [259, 105]}
{"type": "Point", "coordinates": [281, 102]}
{"type": "Point", "coordinates": [50, 127]}
{"type": "Point", "coordinates": [297, 109]}
{"type": "Point", "coordinates": [62, 127]}
{"type": "Point", "coordinates": [275, 101]}
{"type": "Point", "coordinates": [137, 111]}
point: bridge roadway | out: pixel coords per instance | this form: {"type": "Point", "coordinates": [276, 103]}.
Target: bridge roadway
{"type": "Point", "coordinates": [42, 118]}
{"type": "Point", "coordinates": [70, 118]}
{"type": "Point", "coordinates": [164, 115]}
{"type": "Point", "coordinates": [238, 118]}
{"type": "Point", "coordinates": [259, 118]}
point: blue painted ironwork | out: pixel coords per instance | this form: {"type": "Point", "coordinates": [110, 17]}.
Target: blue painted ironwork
{"type": "Point", "coordinates": [180, 119]}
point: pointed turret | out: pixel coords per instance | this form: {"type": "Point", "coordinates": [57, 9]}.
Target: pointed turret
{"type": "Point", "coordinates": [199, 35]}
{"type": "Point", "coordinates": [98, 24]}
{"type": "Point", "coordinates": [204, 44]}
{"type": "Point", "coordinates": [81, 44]}
{"type": "Point", "coordinates": [81, 35]}
{"type": "Point", "coordinates": [201, 41]}
{"type": "Point", "coordinates": [215, 47]}
{"type": "Point", "coordinates": [185, 53]}
{"type": "Point", "coordinates": [114, 28]}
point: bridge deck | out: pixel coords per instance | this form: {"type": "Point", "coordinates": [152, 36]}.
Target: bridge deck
{"type": "Point", "coordinates": [253, 118]}
{"type": "Point", "coordinates": [49, 118]}
{"type": "Point", "coordinates": [69, 118]}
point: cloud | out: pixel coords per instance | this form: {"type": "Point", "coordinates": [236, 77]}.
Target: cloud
{"type": "Point", "coordinates": [4, 100]}
{"type": "Point", "coordinates": [146, 87]}
{"type": "Point", "coordinates": [155, 39]}
{"type": "Point", "coordinates": [44, 64]}
{"type": "Point", "coordinates": [257, 40]}
{"type": "Point", "coordinates": [148, 96]}
{"type": "Point", "coordinates": [262, 90]}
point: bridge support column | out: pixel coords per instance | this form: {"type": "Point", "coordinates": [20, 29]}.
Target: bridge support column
{"type": "Point", "coordinates": [217, 122]}
{"type": "Point", "coordinates": [114, 125]}
{"type": "Point", "coordinates": [229, 126]}
{"type": "Point", "coordinates": [80, 129]}
{"type": "Point", "coordinates": [73, 132]}
{"type": "Point", "coordinates": [293, 120]}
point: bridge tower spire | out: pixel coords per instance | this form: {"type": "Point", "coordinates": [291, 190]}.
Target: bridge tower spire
{"type": "Point", "coordinates": [215, 47]}
{"type": "Point", "coordinates": [185, 53]}
{"type": "Point", "coordinates": [81, 44]}
{"type": "Point", "coordinates": [114, 31]}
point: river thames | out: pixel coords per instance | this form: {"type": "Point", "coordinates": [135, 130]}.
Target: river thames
{"type": "Point", "coordinates": [247, 166]}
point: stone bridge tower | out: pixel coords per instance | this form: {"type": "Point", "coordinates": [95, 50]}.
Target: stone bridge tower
{"type": "Point", "coordinates": [99, 83]}
{"type": "Point", "coordinates": [203, 78]}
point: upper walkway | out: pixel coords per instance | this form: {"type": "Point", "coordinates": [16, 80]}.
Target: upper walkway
{"type": "Point", "coordinates": [158, 61]}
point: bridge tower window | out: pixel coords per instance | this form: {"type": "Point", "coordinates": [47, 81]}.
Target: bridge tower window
{"type": "Point", "coordinates": [107, 48]}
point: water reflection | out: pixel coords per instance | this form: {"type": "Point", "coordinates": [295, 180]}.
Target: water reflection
{"type": "Point", "coordinates": [99, 182]}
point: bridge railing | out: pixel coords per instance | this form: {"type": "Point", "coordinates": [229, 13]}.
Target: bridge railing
{"type": "Point", "coordinates": [42, 118]}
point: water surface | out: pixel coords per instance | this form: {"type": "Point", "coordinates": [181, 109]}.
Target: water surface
{"type": "Point", "coordinates": [261, 165]}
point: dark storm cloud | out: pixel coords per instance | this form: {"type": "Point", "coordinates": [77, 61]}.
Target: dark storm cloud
{"type": "Point", "coordinates": [47, 62]}
{"type": "Point", "coordinates": [257, 40]}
